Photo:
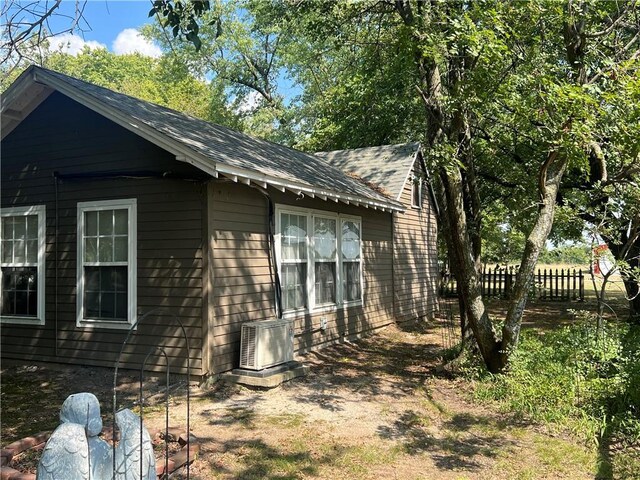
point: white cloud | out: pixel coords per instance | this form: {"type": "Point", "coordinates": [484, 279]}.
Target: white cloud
{"type": "Point", "coordinates": [72, 44]}
{"type": "Point", "coordinates": [129, 40]}
{"type": "Point", "coordinates": [248, 103]}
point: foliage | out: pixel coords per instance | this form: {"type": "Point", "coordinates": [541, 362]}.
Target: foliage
{"type": "Point", "coordinates": [242, 58]}
{"type": "Point", "coordinates": [574, 378]}
{"type": "Point", "coordinates": [162, 81]}
{"type": "Point", "coordinates": [182, 17]}
{"type": "Point", "coordinates": [578, 254]}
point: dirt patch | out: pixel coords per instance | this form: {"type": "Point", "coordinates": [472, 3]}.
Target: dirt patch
{"type": "Point", "coordinates": [378, 408]}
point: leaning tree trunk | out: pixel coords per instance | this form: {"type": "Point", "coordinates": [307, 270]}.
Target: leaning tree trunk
{"type": "Point", "coordinates": [550, 177]}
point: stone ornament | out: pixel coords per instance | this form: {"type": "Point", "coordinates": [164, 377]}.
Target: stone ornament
{"type": "Point", "coordinates": [128, 452]}
{"type": "Point", "coordinates": [75, 452]}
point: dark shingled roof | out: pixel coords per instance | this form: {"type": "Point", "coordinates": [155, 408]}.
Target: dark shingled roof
{"type": "Point", "coordinates": [221, 145]}
{"type": "Point", "coordinates": [386, 166]}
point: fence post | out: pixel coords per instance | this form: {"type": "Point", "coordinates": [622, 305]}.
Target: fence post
{"type": "Point", "coordinates": [581, 286]}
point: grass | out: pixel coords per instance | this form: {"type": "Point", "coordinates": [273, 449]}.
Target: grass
{"type": "Point", "coordinates": [575, 380]}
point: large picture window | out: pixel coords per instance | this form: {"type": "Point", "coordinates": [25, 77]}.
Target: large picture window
{"type": "Point", "coordinates": [106, 263]}
{"type": "Point", "coordinates": [22, 253]}
{"type": "Point", "coordinates": [319, 259]}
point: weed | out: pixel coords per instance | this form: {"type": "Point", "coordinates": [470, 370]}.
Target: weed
{"type": "Point", "coordinates": [578, 378]}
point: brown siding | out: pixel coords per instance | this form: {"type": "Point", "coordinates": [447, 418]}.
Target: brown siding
{"type": "Point", "coordinates": [415, 264]}
{"type": "Point", "coordinates": [241, 274]}
{"type": "Point", "coordinates": [62, 136]}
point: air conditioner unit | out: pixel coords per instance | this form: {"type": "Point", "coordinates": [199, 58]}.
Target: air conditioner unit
{"type": "Point", "coordinates": [265, 344]}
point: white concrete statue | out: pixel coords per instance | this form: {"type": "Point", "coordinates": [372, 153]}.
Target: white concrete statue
{"type": "Point", "coordinates": [128, 452]}
{"type": "Point", "coordinates": [75, 452]}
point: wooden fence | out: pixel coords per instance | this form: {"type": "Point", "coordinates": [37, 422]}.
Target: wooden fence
{"type": "Point", "coordinates": [548, 284]}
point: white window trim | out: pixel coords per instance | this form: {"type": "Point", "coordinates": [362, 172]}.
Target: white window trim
{"type": "Point", "coordinates": [132, 217]}
{"type": "Point", "coordinates": [416, 182]}
{"type": "Point", "coordinates": [40, 211]}
{"type": "Point", "coordinates": [310, 213]}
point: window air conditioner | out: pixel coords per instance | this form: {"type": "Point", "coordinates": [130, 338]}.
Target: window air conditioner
{"type": "Point", "coordinates": [265, 344]}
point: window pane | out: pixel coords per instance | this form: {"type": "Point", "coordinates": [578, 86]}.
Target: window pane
{"type": "Point", "coordinates": [7, 228]}
{"type": "Point", "coordinates": [107, 279]}
{"type": "Point", "coordinates": [20, 228]}
{"type": "Point", "coordinates": [294, 286]}
{"type": "Point", "coordinates": [416, 193]}
{"type": "Point", "coordinates": [92, 279]}
{"type": "Point", "coordinates": [91, 249]}
{"type": "Point", "coordinates": [120, 249]}
{"type": "Point", "coordinates": [120, 222]}
{"type": "Point", "coordinates": [350, 241]}
{"type": "Point", "coordinates": [294, 237]}
{"type": "Point", "coordinates": [92, 304]}
{"type": "Point", "coordinates": [7, 251]}
{"type": "Point", "coordinates": [32, 227]}
{"type": "Point", "coordinates": [32, 251]}
{"type": "Point", "coordinates": [91, 224]}
{"type": "Point", "coordinates": [120, 279]}
{"type": "Point", "coordinates": [19, 291]}
{"type": "Point", "coordinates": [121, 305]}
{"type": "Point", "coordinates": [351, 281]}
{"type": "Point", "coordinates": [107, 305]}
{"type": "Point", "coordinates": [19, 251]}
{"type": "Point", "coordinates": [324, 238]}
{"type": "Point", "coordinates": [105, 222]}
{"type": "Point", "coordinates": [105, 249]}
{"type": "Point", "coordinates": [105, 294]}
{"type": "Point", "coordinates": [325, 282]}
{"type": "Point", "coordinates": [22, 302]}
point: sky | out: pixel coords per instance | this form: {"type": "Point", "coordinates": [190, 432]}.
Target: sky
{"type": "Point", "coordinates": [110, 24]}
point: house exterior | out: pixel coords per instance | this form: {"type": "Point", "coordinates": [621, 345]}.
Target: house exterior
{"type": "Point", "coordinates": [113, 207]}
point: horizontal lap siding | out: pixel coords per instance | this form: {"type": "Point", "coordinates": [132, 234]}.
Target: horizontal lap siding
{"type": "Point", "coordinates": [415, 256]}
{"type": "Point", "coordinates": [242, 279]}
{"type": "Point", "coordinates": [62, 136]}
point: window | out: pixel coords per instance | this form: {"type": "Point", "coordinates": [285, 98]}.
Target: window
{"type": "Point", "coordinates": [106, 263]}
{"type": "Point", "coordinates": [351, 261]}
{"type": "Point", "coordinates": [325, 260]}
{"type": "Point", "coordinates": [22, 252]}
{"type": "Point", "coordinates": [319, 259]}
{"type": "Point", "coordinates": [416, 192]}
{"type": "Point", "coordinates": [293, 263]}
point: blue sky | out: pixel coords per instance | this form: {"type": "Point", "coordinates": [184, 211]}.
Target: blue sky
{"type": "Point", "coordinates": [106, 19]}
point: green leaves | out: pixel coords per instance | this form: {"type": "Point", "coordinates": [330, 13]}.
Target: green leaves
{"type": "Point", "coordinates": [182, 17]}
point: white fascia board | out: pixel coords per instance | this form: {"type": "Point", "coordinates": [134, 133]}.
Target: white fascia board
{"type": "Point", "coordinates": [415, 157]}
{"type": "Point", "coordinates": [185, 154]}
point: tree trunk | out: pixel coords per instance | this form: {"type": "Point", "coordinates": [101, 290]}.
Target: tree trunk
{"type": "Point", "coordinates": [551, 175]}
{"type": "Point", "coordinates": [466, 273]}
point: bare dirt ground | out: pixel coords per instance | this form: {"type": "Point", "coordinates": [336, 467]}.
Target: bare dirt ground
{"type": "Point", "coordinates": [379, 408]}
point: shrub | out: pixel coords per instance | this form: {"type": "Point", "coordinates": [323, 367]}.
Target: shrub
{"type": "Point", "coordinates": [575, 378]}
